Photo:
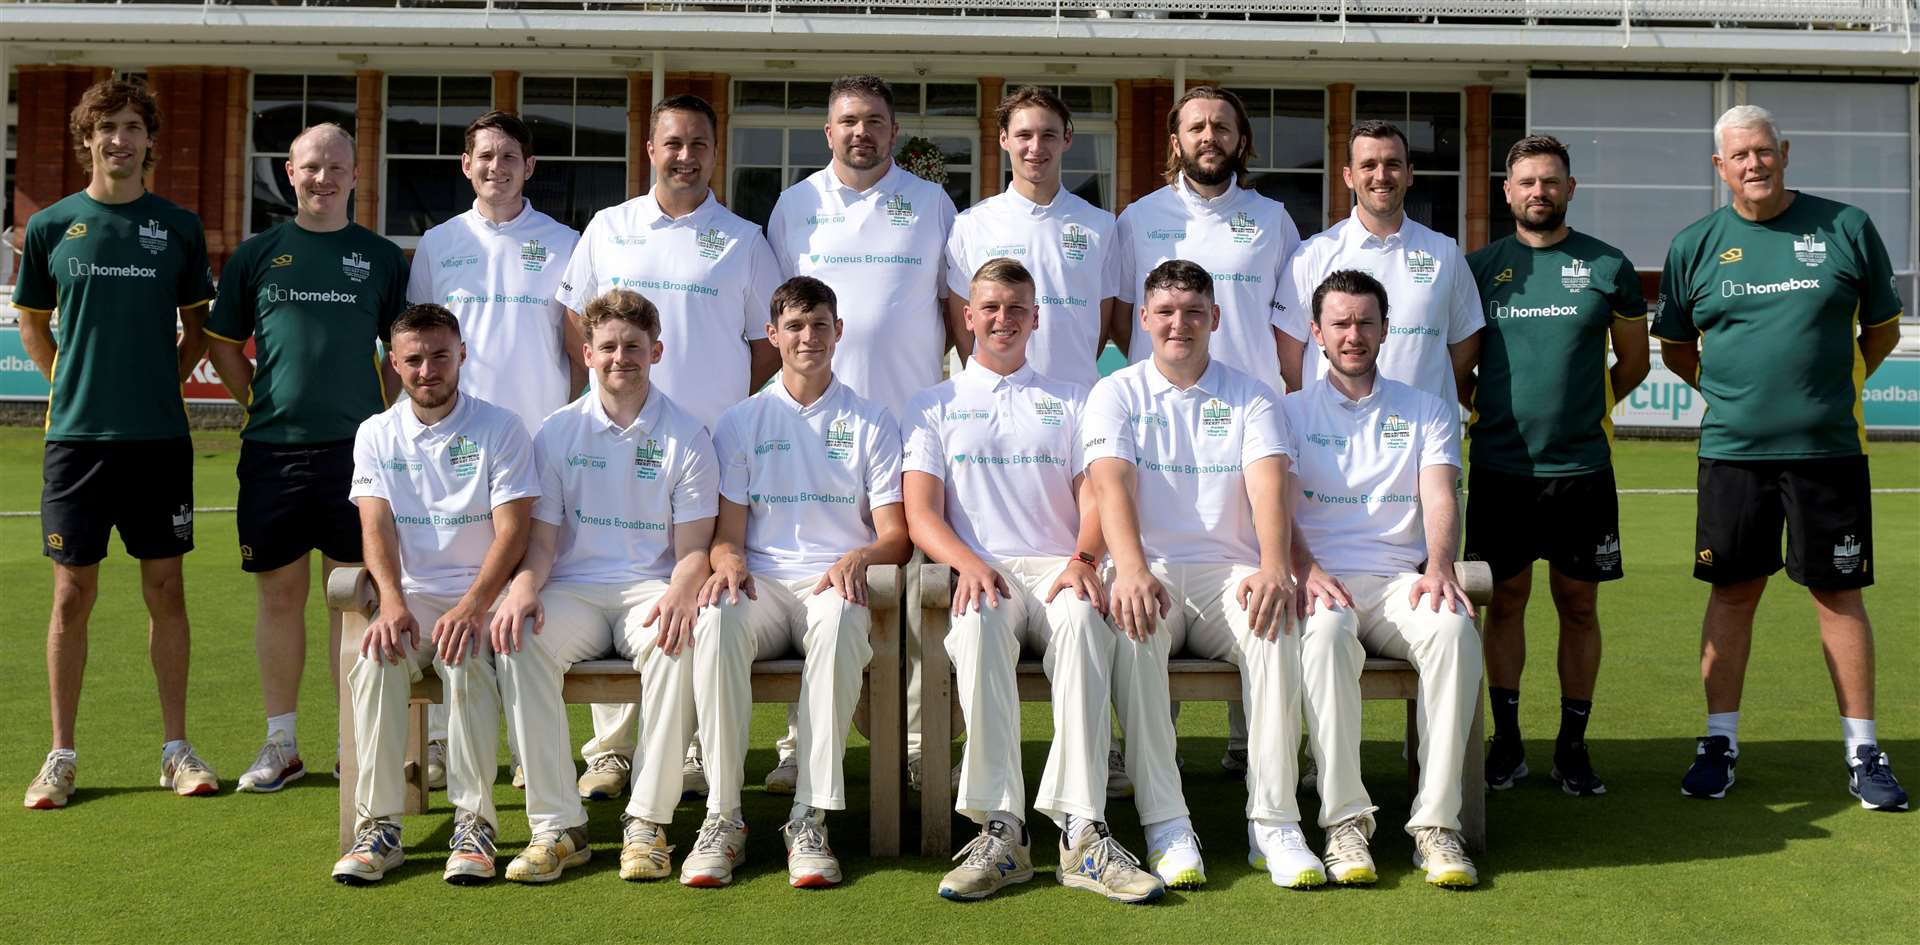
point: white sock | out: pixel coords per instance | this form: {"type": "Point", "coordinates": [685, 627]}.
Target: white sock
{"type": "Point", "coordinates": [1075, 828]}
{"type": "Point", "coordinates": [1857, 732]}
{"type": "Point", "coordinates": [1014, 824]}
{"type": "Point", "coordinates": [803, 812]}
{"type": "Point", "coordinates": [1725, 723]}
{"type": "Point", "coordinates": [168, 748]}
{"type": "Point", "coordinates": [1158, 831]}
{"type": "Point", "coordinates": [282, 724]}
{"type": "Point", "coordinates": [736, 816]}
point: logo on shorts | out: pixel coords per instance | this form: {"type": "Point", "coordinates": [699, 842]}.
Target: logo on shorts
{"type": "Point", "coordinates": [56, 541]}
{"type": "Point", "coordinates": [464, 456]}
{"type": "Point", "coordinates": [1733, 255]}
{"type": "Point", "coordinates": [1243, 228]}
{"type": "Point", "coordinates": [1505, 276]}
{"type": "Point", "coordinates": [839, 439]}
{"type": "Point", "coordinates": [1808, 250]}
{"type": "Point", "coordinates": [76, 231]}
{"type": "Point", "coordinates": [711, 243]}
{"type": "Point", "coordinates": [647, 459]}
{"type": "Point", "coordinates": [1576, 277]}
{"type": "Point", "coordinates": [1051, 412]}
{"type": "Point", "coordinates": [1216, 418]}
{"type": "Point", "coordinates": [899, 210]}
{"type": "Point", "coordinates": [1423, 266]}
{"type": "Point", "coordinates": [1606, 555]}
{"type": "Point", "coordinates": [283, 260]}
{"type": "Point", "coordinates": [1705, 557]}
{"type": "Point", "coordinates": [1074, 242]}
{"type": "Point", "coordinates": [1396, 433]}
{"type": "Point", "coordinates": [153, 236]}
{"type": "Point", "coordinates": [533, 256]}
{"type": "Point", "coordinates": [183, 522]}
{"type": "Point", "coordinates": [355, 266]}
{"type": "Point", "coordinates": [246, 552]}
{"type": "Point", "coordinates": [1846, 555]}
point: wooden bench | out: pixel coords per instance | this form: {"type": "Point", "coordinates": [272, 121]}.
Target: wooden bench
{"type": "Point", "coordinates": [1189, 680]}
{"type": "Point", "coordinates": [881, 714]}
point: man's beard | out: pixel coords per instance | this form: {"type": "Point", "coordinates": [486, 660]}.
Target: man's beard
{"type": "Point", "coordinates": [1553, 221]}
{"type": "Point", "coordinates": [1228, 170]}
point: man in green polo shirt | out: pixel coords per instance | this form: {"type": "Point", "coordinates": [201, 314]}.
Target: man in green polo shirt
{"type": "Point", "coordinates": [317, 294]}
{"type": "Point", "coordinates": [1541, 474]}
{"type": "Point", "coordinates": [120, 265]}
{"type": "Point", "coordinates": [1777, 307]}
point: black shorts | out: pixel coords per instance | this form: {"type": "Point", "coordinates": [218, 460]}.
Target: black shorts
{"type": "Point", "coordinates": [1571, 521]}
{"type": "Point", "coordinates": [293, 499]}
{"type": "Point", "coordinates": [144, 488]}
{"type": "Point", "coordinates": [1826, 505]}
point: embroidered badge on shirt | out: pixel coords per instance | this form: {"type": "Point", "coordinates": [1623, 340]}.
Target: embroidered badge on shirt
{"type": "Point", "coordinates": [839, 439]}
{"type": "Point", "coordinates": [153, 236]}
{"type": "Point", "coordinates": [1811, 251]}
{"type": "Point", "coordinates": [1074, 242]}
{"type": "Point", "coordinates": [1576, 277]}
{"type": "Point", "coordinates": [1422, 266]}
{"type": "Point", "coordinates": [1216, 418]}
{"type": "Point", "coordinates": [533, 256]}
{"type": "Point", "coordinates": [647, 458]}
{"type": "Point", "coordinates": [356, 267]}
{"type": "Point", "coordinates": [1396, 433]}
{"type": "Point", "coordinates": [1244, 229]}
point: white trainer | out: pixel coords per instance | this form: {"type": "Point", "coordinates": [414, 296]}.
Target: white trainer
{"type": "Point", "coordinates": [1281, 850]}
{"type": "Point", "coordinates": [1173, 854]}
{"type": "Point", "coordinates": [277, 765]}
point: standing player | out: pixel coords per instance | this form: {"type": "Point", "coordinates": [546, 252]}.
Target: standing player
{"type": "Point", "coordinates": [1542, 442]}
{"type": "Point", "coordinates": [445, 483]}
{"type": "Point", "coordinates": [497, 267]}
{"type": "Point", "coordinates": [1796, 299]}
{"type": "Point", "coordinates": [992, 482]}
{"type": "Point", "coordinates": [120, 264]}
{"type": "Point", "coordinates": [809, 497]}
{"type": "Point", "coordinates": [1188, 459]}
{"type": "Point", "coordinates": [317, 295]}
{"type": "Point", "coordinates": [1063, 241]}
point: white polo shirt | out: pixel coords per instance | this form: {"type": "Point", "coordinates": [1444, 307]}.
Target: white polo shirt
{"type": "Point", "coordinates": [500, 280]}
{"type": "Point", "coordinates": [810, 476]}
{"type": "Point", "coordinates": [1241, 237]}
{"type": "Point", "coordinates": [1432, 301]}
{"type": "Point", "coordinates": [1192, 448]}
{"type": "Point", "coordinates": [616, 492]}
{"type": "Point", "coordinates": [443, 483]}
{"type": "Point", "coordinates": [1358, 467]}
{"type": "Point", "coordinates": [711, 275]}
{"type": "Point", "coordinates": [882, 250]}
{"type": "Point", "coordinates": [1008, 450]}
{"type": "Point", "coordinates": [1068, 247]}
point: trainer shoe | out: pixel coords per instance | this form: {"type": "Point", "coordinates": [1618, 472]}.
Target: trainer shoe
{"type": "Point", "coordinates": [376, 849]}
{"type": "Point", "coordinates": [185, 774]}
{"type": "Point", "coordinates": [437, 764]}
{"type": "Point", "coordinates": [471, 862]}
{"type": "Point", "coordinates": [693, 778]}
{"type": "Point", "coordinates": [1348, 861]}
{"type": "Point", "coordinates": [1870, 778]}
{"type": "Point", "coordinates": [1573, 771]}
{"type": "Point", "coordinates": [519, 778]}
{"type": "Point", "coordinates": [810, 862]}
{"type": "Point", "coordinates": [54, 784]}
{"type": "Point", "coordinates": [1118, 784]}
{"type": "Point", "coordinates": [1712, 770]}
{"type": "Point", "coordinates": [277, 764]}
{"type": "Point", "coordinates": [1234, 763]}
{"type": "Point", "coordinates": [1506, 763]}
{"type": "Point", "coordinates": [1281, 850]}
{"type": "Point", "coordinates": [1438, 851]}
{"type": "Point", "coordinates": [644, 851]}
{"type": "Point", "coordinates": [549, 854]}
{"type": "Point", "coordinates": [1174, 856]}
{"type": "Point", "coordinates": [606, 776]}
{"type": "Point", "coordinates": [785, 776]}
{"type": "Point", "coordinates": [1099, 863]}
{"type": "Point", "coordinates": [991, 860]}
{"type": "Point", "coordinates": [717, 852]}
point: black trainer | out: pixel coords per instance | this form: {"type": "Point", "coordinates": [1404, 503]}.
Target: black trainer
{"type": "Point", "coordinates": [1506, 762]}
{"type": "Point", "coordinates": [1870, 778]}
{"type": "Point", "coordinates": [1573, 771]}
{"type": "Point", "coordinates": [1712, 771]}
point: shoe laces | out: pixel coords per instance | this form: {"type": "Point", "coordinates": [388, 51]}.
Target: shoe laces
{"type": "Point", "coordinates": [1347, 841]}
{"type": "Point", "coordinates": [1116, 762]}
{"type": "Point", "coordinates": [610, 763]}
{"type": "Point", "coordinates": [806, 838]}
{"type": "Point", "coordinates": [274, 756]}
{"type": "Point", "coordinates": [471, 835]}
{"type": "Point", "coordinates": [712, 840]}
{"type": "Point", "coordinates": [57, 769]}
{"type": "Point", "coordinates": [1181, 840]}
{"type": "Point", "coordinates": [692, 764]}
{"type": "Point", "coordinates": [185, 761]}
{"type": "Point", "coordinates": [375, 835]}
{"type": "Point", "coordinates": [1875, 767]}
{"type": "Point", "coordinates": [550, 840]}
{"type": "Point", "coordinates": [1107, 854]}
{"type": "Point", "coordinates": [1444, 842]}
{"type": "Point", "coordinates": [985, 850]}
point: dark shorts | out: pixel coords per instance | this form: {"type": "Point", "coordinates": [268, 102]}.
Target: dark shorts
{"type": "Point", "coordinates": [1571, 521]}
{"type": "Point", "coordinates": [293, 500]}
{"type": "Point", "coordinates": [144, 488]}
{"type": "Point", "coordinates": [1825, 504]}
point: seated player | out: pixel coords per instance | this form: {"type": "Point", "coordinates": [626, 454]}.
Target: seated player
{"type": "Point", "coordinates": [445, 483]}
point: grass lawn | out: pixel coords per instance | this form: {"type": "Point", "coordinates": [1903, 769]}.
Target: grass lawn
{"type": "Point", "coordinates": [1788, 856]}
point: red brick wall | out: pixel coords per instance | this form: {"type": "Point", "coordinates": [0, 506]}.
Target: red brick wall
{"type": "Point", "coordinates": [202, 148]}
{"type": "Point", "coordinates": [47, 171]}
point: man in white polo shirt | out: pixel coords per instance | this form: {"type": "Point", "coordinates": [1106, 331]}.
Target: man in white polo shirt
{"type": "Point", "coordinates": [445, 482]}
{"type": "Point", "coordinates": [1379, 525]}
{"type": "Point", "coordinates": [1436, 303]}
{"type": "Point", "coordinates": [710, 273]}
{"type": "Point", "coordinates": [993, 487]}
{"type": "Point", "coordinates": [810, 496]}
{"type": "Point", "coordinates": [1064, 241]}
{"type": "Point", "coordinates": [497, 268]}
{"type": "Point", "coordinates": [616, 561]}
{"type": "Point", "coordinates": [1189, 460]}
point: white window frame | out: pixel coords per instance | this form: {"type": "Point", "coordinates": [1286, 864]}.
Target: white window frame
{"type": "Point", "coordinates": [386, 143]}
{"type": "Point", "coordinates": [627, 143]}
{"type": "Point", "coordinates": [1324, 172]}
{"type": "Point", "coordinates": [1107, 124]}
{"type": "Point", "coordinates": [1459, 175]}
{"type": "Point", "coordinates": [246, 205]}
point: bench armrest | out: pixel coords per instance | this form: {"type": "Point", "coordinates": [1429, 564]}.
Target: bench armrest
{"type": "Point", "coordinates": [1476, 578]}
{"type": "Point", "coordinates": [883, 584]}
{"type": "Point", "coordinates": [350, 590]}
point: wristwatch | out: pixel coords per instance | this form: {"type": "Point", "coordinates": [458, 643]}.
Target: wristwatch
{"type": "Point", "coordinates": [1086, 559]}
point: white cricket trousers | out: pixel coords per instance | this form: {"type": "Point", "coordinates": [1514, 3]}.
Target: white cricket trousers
{"type": "Point", "coordinates": [1443, 646]}
{"type": "Point", "coordinates": [1208, 622]}
{"type": "Point", "coordinates": [830, 633]}
{"type": "Point", "coordinates": [1077, 649]}
{"type": "Point", "coordinates": [380, 692]}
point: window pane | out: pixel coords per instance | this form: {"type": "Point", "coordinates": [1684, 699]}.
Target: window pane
{"type": "Point", "coordinates": [1435, 201]}
{"type": "Point", "coordinates": [808, 146]}
{"type": "Point", "coordinates": [1301, 194]}
{"type": "Point", "coordinates": [1640, 222]}
{"type": "Point", "coordinates": [1833, 106]}
{"type": "Point", "coordinates": [960, 188]}
{"type": "Point", "coordinates": [1509, 126]}
{"type": "Point", "coordinates": [753, 192]}
{"type": "Point", "coordinates": [1091, 151]}
{"type": "Point", "coordinates": [1090, 187]}
{"type": "Point", "coordinates": [1259, 104]}
{"type": "Point", "coordinates": [1499, 215]}
{"type": "Point", "coordinates": [412, 101]}
{"type": "Point", "coordinates": [272, 194]}
{"type": "Point", "coordinates": [571, 191]}
{"type": "Point", "coordinates": [1433, 130]}
{"type": "Point", "coordinates": [1890, 214]}
{"type": "Point", "coordinates": [1685, 104]}
{"type": "Point", "coordinates": [759, 96]}
{"type": "Point", "coordinates": [1299, 130]}
{"type": "Point", "coordinates": [600, 116]}
{"type": "Point", "coordinates": [756, 146]}
{"type": "Point", "coordinates": [421, 194]}
{"type": "Point", "coordinates": [1822, 162]}
{"type": "Point", "coordinates": [1385, 106]}
{"type": "Point", "coordinates": [957, 150]}
{"type": "Point", "coordinates": [952, 99]}
{"type": "Point", "coordinates": [546, 104]}
{"type": "Point", "coordinates": [462, 99]}
{"type": "Point", "coordinates": [333, 98]}
{"type": "Point", "coordinates": [812, 97]}
{"type": "Point", "coordinates": [276, 111]}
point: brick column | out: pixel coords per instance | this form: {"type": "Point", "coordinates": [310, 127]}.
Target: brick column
{"type": "Point", "coordinates": [1142, 148]}
{"type": "Point", "coordinates": [203, 148]}
{"type": "Point", "coordinates": [1479, 169]}
{"type": "Point", "coordinates": [506, 91]}
{"type": "Point", "coordinates": [639, 105]}
{"type": "Point", "coordinates": [238, 174]}
{"type": "Point", "coordinates": [1122, 144]}
{"type": "Point", "coordinates": [992, 89]}
{"type": "Point", "coordinates": [1339, 128]}
{"type": "Point", "coordinates": [47, 169]}
{"type": "Point", "coordinates": [713, 87]}
{"type": "Point", "coordinates": [368, 121]}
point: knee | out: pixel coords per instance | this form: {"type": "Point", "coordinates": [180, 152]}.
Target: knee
{"type": "Point", "coordinates": [1454, 634]}
{"type": "Point", "coordinates": [164, 590]}
{"type": "Point", "coordinates": [72, 601]}
{"type": "Point", "coordinates": [1075, 625]}
{"type": "Point", "coordinates": [1743, 596]}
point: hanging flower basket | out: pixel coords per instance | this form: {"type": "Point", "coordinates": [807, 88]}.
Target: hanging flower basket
{"type": "Point", "coordinates": [923, 159]}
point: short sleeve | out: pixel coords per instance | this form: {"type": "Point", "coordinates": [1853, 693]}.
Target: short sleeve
{"type": "Point", "coordinates": [234, 308]}
{"type": "Point", "coordinates": [957, 265]}
{"type": "Point", "coordinates": [1265, 433]}
{"type": "Point", "coordinates": [1076, 421]}
{"type": "Point", "coordinates": [1123, 284]}
{"type": "Point", "coordinates": [1107, 432]}
{"type": "Point", "coordinates": [420, 277]}
{"type": "Point", "coordinates": [777, 236]}
{"type": "Point", "coordinates": [395, 301]}
{"type": "Point", "coordinates": [1440, 441]}
{"type": "Point", "coordinates": [1673, 311]}
{"type": "Point", "coordinates": [1466, 316]}
{"type": "Point", "coordinates": [512, 473]}
{"type": "Point", "coordinates": [368, 482]}
{"type": "Point", "coordinates": [763, 279]}
{"type": "Point", "coordinates": [730, 456]}
{"type": "Point", "coordinates": [926, 450]}
{"type": "Point", "coordinates": [551, 507]}
{"type": "Point", "coordinates": [1292, 297]}
{"type": "Point", "coordinates": [196, 273]}
{"type": "Point", "coordinates": [944, 209]}
{"type": "Point", "coordinates": [34, 288]}
{"type": "Point", "coordinates": [696, 494]}
{"type": "Point", "coordinates": [1113, 254]}
{"type": "Point", "coordinates": [883, 461]}
{"type": "Point", "coordinates": [1624, 294]}
{"type": "Point", "coordinates": [579, 284]}
{"type": "Point", "coordinates": [1879, 290]}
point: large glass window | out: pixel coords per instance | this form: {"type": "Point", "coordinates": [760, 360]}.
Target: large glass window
{"type": "Point", "coordinates": [283, 105]}
{"type": "Point", "coordinates": [1290, 151]}
{"type": "Point", "coordinates": [427, 118]}
{"type": "Point", "coordinates": [579, 127]}
{"type": "Point", "coordinates": [1509, 125]}
{"type": "Point", "coordinates": [1433, 124]}
{"type": "Point", "coordinates": [1087, 169]}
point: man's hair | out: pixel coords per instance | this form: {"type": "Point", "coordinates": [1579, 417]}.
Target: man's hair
{"type": "Point", "coordinates": [1745, 116]}
{"type": "Point", "coordinates": [1350, 282]}
{"type": "Point", "coordinates": [426, 317]}
{"type": "Point", "coordinates": [1178, 274]}
{"type": "Point", "coordinates": [1538, 146]}
{"type": "Point", "coordinates": [325, 129]}
{"type": "Point", "coordinates": [803, 293]}
{"type": "Point", "coordinates": [1375, 128]}
{"type": "Point", "coordinates": [621, 305]}
{"type": "Point", "coordinates": [1246, 152]}
{"type": "Point", "coordinates": [104, 98]}
{"type": "Point", "coordinates": [1001, 270]}
{"type": "Point", "coordinates": [869, 85]}
{"type": "Point", "coordinates": [683, 103]}
{"type": "Point", "coordinates": [1033, 96]}
{"type": "Point", "coordinates": [505, 123]}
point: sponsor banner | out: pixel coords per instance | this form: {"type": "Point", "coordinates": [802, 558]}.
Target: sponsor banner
{"type": "Point", "coordinates": [1891, 400]}
{"type": "Point", "coordinates": [20, 380]}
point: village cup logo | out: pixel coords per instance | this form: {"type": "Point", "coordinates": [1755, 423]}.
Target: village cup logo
{"type": "Point", "coordinates": [153, 236]}
{"type": "Point", "coordinates": [1809, 250]}
{"type": "Point", "coordinates": [533, 256]}
{"type": "Point", "coordinates": [1216, 418]}
{"type": "Point", "coordinates": [899, 210]}
{"type": "Point", "coordinates": [355, 266]}
{"type": "Point", "coordinates": [1243, 228]}
{"type": "Point", "coordinates": [647, 460]}
{"type": "Point", "coordinates": [839, 440]}
{"type": "Point", "coordinates": [464, 456]}
{"type": "Point", "coordinates": [1074, 242]}
{"type": "Point", "coordinates": [1422, 266]}
{"type": "Point", "coordinates": [1576, 277]}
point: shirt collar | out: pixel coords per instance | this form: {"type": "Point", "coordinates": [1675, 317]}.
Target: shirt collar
{"type": "Point", "coordinates": [525, 214]}
{"type": "Point", "coordinates": [1219, 204]}
{"type": "Point", "coordinates": [650, 214]}
{"type": "Point", "coordinates": [980, 376]}
{"type": "Point", "coordinates": [1358, 235]}
{"type": "Point", "coordinates": [779, 390]}
{"type": "Point", "coordinates": [1018, 205]}
{"type": "Point", "coordinates": [413, 429]}
{"type": "Point", "coordinates": [1158, 383]}
{"type": "Point", "coordinates": [644, 423]}
{"type": "Point", "coordinates": [834, 185]}
{"type": "Point", "coordinates": [1333, 395]}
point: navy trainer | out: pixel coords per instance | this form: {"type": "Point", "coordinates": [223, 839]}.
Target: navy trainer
{"type": "Point", "coordinates": [1712, 771]}
{"type": "Point", "coordinates": [1573, 770]}
{"type": "Point", "coordinates": [1870, 778]}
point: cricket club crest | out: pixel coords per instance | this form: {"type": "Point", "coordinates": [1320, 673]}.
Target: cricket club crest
{"type": "Point", "coordinates": [1846, 555]}
{"type": "Point", "coordinates": [1422, 266]}
{"type": "Point", "coordinates": [899, 210]}
{"type": "Point", "coordinates": [153, 236]}
{"type": "Point", "coordinates": [711, 243]}
{"type": "Point", "coordinates": [1243, 228]}
{"type": "Point", "coordinates": [1809, 250]}
{"type": "Point", "coordinates": [648, 457]}
{"type": "Point", "coordinates": [1576, 277]}
{"type": "Point", "coordinates": [533, 256]}
{"type": "Point", "coordinates": [1216, 418]}
{"type": "Point", "coordinates": [1074, 242]}
{"type": "Point", "coordinates": [839, 440]}
{"type": "Point", "coordinates": [355, 266]}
